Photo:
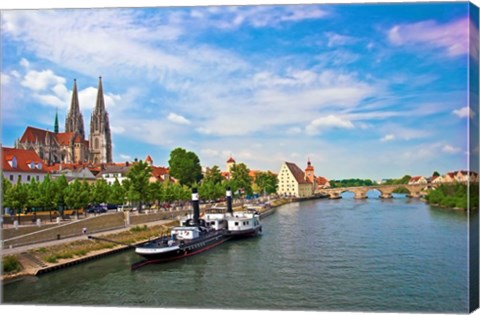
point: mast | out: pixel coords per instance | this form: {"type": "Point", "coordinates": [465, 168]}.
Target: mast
{"type": "Point", "coordinates": [229, 201]}
{"type": "Point", "coordinates": [196, 208]}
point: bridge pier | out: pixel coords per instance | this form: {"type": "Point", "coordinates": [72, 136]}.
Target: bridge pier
{"type": "Point", "coordinates": [335, 196]}
{"type": "Point", "coordinates": [360, 195]}
{"type": "Point", "coordinates": [386, 196]}
{"type": "Point", "coordinates": [414, 195]}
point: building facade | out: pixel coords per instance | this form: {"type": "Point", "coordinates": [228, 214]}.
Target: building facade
{"type": "Point", "coordinates": [71, 146]}
{"type": "Point", "coordinates": [21, 166]}
{"type": "Point", "coordinates": [292, 182]}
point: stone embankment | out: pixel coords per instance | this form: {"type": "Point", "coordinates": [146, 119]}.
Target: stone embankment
{"type": "Point", "coordinates": [26, 247]}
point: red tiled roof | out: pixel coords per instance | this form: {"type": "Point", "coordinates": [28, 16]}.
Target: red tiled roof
{"type": "Point", "coordinates": [148, 158]}
{"type": "Point", "coordinates": [33, 135]}
{"type": "Point", "coordinates": [297, 173]}
{"type": "Point", "coordinates": [64, 138]}
{"type": "Point", "coordinates": [159, 171]}
{"type": "Point", "coordinates": [23, 157]}
{"type": "Point", "coordinates": [230, 160]}
{"type": "Point", "coordinates": [321, 180]}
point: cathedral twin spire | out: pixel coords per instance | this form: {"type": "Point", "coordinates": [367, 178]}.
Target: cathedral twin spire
{"type": "Point", "coordinates": [74, 121]}
{"type": "Point", "coordinates": [100, 143]}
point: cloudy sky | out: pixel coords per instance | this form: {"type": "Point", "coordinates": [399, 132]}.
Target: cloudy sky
{"type": "Point", "coordinates": [371, 91]}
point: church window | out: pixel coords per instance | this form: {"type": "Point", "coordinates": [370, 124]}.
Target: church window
{"type": "Point", "coordinates": [96, 143]}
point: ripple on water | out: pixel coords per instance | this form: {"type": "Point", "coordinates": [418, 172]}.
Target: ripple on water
{"type": "Point", "coordinates": [398, 255]}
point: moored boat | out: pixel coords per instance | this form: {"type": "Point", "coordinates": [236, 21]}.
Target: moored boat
{"type": "Point", "coordinates": [239, 223]}
{"type": "Point", "coordinates": [192, 237]}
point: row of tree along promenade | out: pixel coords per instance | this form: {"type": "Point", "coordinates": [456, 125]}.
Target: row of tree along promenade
{"type": "Point", "coordinates": [137, 190]}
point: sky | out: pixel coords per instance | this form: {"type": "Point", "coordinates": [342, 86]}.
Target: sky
{"type": "Point", "coordinates": [361, 90]}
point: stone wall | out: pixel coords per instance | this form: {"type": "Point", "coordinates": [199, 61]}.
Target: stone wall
{"type": "Point", "coordinates": [93, 224]}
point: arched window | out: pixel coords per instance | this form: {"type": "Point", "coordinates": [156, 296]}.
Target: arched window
{"type": "Point", "coordinates": [96, 143]}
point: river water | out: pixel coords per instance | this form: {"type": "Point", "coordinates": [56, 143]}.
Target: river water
{"type": "Point", "coordinates": [397, 255]}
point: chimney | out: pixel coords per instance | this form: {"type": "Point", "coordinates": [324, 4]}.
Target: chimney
{"type": "Point", "coordinates": [196, 208]}
{"type": "Point", "coordinates": [229, 201]}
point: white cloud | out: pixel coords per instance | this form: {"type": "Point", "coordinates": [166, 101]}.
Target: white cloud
{"type": "Point", "coordinates": [41, 80]}
{"type": "Point", "coordinates": [117, 129]}
{"type": "Point", "coordinates": [464, 112]}
{"type": "Point", "coordinates": [4, 78]}
{"type": "Point", "coordinates": [294, 131]}
{"type": "Point", "coordinates": [388, 137]}
{"type": "Point", "coordinates": [450, 149]}
{"type": "Point", "coordinates": [335, 39]}
{"type": "Point", "coordinates": [330, 121]}
{"type": "Point", "coordinates": [125, 157]}
{"type": "Point", "coordinates": [256, 16]}
{"type": "Point", "coordinates": [178, 119]}
{"type": "Point", "coordinates": [452, 37]}
{"type": "Point", "coordinates": [25, 63]}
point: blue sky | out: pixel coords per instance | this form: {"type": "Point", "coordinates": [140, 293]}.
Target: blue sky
{"type": "Point", "coordinates": [371, 91]}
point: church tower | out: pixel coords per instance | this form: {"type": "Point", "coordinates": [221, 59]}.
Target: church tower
{"type": "Point", "coordinates": [74, 121]}
{"type": "Point", "coordinates": [310, 172]}
{"type": "Point", "coordinates": [100, 137]}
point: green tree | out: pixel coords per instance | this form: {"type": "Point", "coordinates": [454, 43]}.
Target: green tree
{"type": "Point", "coordinates": [47, 192]}
{"type": "Point", "coordinates": [100, 192]}
{"type": "Point", "coordinates": [209, 190]}
{"type": "Point", "coordinates": [266, 182]}
{"type": "Point", "coordinates": [213, 175]}
{"type": "Point", "coordinates": [240, 179]}
{"type": "Point", "coordinates": [155, 192]}
{"type": "Point", "coordinates": [60, 186]}
{"type": "Point", "coordinates": [6, 186]}
{"type": "Point", "coordinates": [435, 174]}
{"type": "Point", "coordinates": [18, 197]}
{"type": "Point", "coordinates": [34, 195]}
{"type": "Point", "coordinates": [75, 196]}
{"type": "Point", "coordinates": [167, 194]}
{"type": "Point", "coordinates": [117, 193]}
{"type": "Point", "coordinates": [185, 167]}
{"type": "Point", "coordinates": [139, 175]}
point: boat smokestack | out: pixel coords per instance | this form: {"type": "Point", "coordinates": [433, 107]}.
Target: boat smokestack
{"type": "Point", "coordinates": [229, 201]}
{"type": "Point", "coordinates": [196, 208]}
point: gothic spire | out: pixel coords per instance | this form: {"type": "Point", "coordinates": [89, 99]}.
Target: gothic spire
{"type": "Point", "coordinates": [74, 105]}
{"type": "Point", "coordinates": [100, 105]}
{"type": "Point", "coordinates": [74, 121]}
{"type": "Point", "coordinates": [55, 126]}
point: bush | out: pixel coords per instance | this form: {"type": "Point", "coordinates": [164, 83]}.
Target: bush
{"type": "Point", "coordinates": [138, 228]}
{"type": "Point", "coordinates": [449, 195]}
{"type": "Point", "coordinates": [11, 264]}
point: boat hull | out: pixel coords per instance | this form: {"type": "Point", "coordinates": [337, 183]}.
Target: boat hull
{"type": "Point", "coordinates": [178, 252]}
{"type": "Point", "coordinates": [245, 233]}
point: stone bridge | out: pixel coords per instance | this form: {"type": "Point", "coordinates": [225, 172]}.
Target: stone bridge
{"type": "Point", "coordinates": [415, 191]}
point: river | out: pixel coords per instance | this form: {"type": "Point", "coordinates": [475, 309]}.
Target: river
{"type": "Point", "coordinates": [397, 255]}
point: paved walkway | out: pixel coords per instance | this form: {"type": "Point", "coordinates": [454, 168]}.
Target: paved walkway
{"type": "Point", "coordinates": [20, 249]}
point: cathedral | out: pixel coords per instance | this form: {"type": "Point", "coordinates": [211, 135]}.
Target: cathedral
{"type": "Point", "coordinates": [71, 146]}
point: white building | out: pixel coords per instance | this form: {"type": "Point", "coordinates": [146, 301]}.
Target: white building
{"type": "Point", "coordinates": [292, 182]}
{"type": "Point", "coordinates": [20, 165]}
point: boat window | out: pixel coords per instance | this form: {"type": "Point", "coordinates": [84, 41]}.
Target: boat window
{"type": "Point", "coordinates": [236, 223]}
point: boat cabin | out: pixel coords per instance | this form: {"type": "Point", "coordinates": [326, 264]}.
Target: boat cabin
{"type": "Point", "coordinates": [241, 221]}
{"type": "Point", "coordinates": [185, 233]}
{"type": "Point", "coordinates": [215, 221]}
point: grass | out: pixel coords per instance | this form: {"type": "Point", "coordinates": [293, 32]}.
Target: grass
{"type": "Point", "coordinates": [11, 264]}
{"type": "Point", "coordinates": [53, 254]}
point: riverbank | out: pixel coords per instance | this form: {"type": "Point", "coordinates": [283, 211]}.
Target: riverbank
{"type": "Point", "coordinates": [46, 257]}
{"type": "Point", "coordinates": [49, 256]}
